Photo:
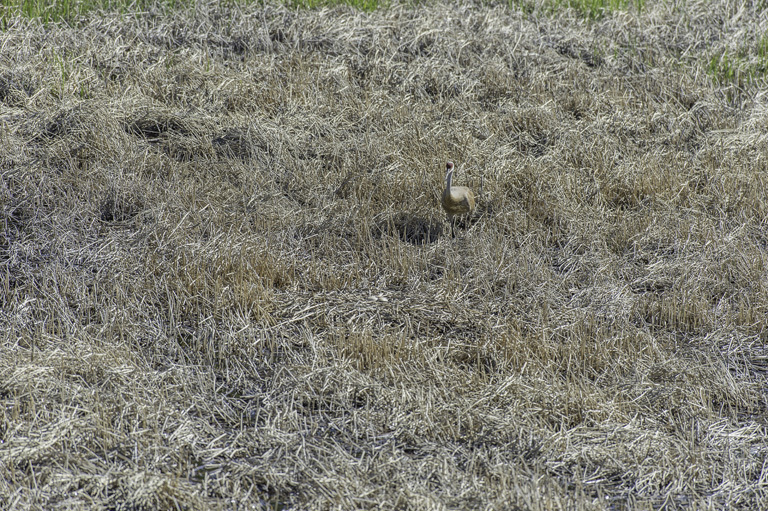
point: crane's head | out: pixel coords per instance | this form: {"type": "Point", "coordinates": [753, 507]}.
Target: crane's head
{"type": "Point", "coordinates": [449, 166]}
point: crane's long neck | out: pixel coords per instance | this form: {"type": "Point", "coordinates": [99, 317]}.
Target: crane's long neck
{"type": "Point", "coordinates": [448, 176]}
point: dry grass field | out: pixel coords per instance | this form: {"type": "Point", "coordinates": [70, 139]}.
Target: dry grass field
{"type": "Point", "coordinates": [227, 283]}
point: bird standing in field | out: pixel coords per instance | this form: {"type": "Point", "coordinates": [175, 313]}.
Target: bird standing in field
{"type": "Point", "coordinates": [456, 200]}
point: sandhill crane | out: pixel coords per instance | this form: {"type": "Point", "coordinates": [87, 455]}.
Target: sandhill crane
{"type": "Point", "coordinates": [456, 200]}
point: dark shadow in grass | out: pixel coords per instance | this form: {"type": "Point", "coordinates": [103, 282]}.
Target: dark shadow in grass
{"type": "Point", "coordinates": [152, 127]}
{"type": "Point", "coordinates": [182, 139]}
{"type": "Point", "coordinates": [119, 206]}
{"type": "Point", "coordinates": [236, 144]}
{"type": "Point", "coordinates": [15, 88]}
{"type": "Point", "coordinates": [411, 229]}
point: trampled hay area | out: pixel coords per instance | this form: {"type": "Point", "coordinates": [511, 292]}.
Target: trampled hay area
{"type": "Point", "coordinates": [227, 281]}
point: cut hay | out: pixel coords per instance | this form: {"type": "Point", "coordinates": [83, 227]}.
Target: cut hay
{"type": "Point", "coordinates": [227, 281]}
